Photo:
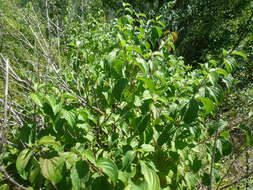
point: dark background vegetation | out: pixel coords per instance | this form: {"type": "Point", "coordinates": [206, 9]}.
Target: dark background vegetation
{"type": "Point", "coordinates": [126, 95]}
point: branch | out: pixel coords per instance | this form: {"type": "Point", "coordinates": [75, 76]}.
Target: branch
{"type": "Point", "coordinates": [243, 33]}
{"type": "Point", "coordinates": [6, 87]}
{"type": "Point", "coordinates": [229, 168]}
{"type": "Point", "coordinates": [10, 143]}
{"type": "Point", "coordinates": [237, 181]}
{"type": "Point", "coordinates": [9, 178]}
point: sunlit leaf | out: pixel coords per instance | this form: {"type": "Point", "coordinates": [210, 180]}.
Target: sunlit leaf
{"type": "Point", "coordinates": [23, 160]}
{"type": "Point", "coordinates": [128, 158]}
{"type": "Point", "coordinates": [78, 173]}
{"type": "Point", "coordinates": [109, 168]}
{"type": "Point", "coordinates": [150, 176]}
{"type": "Point", "coordinates": [52, 169]}
{"type": "Point", "coordinates": [147, 148]}
{"type": "Point", "coordinates": [70, 117]}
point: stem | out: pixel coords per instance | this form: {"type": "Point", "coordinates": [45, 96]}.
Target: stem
{"type": "Point", "coordinates": [5, 122]}
{"type": "Point", "coordinates": [9, 178]}
{"type": "Point", "coordinates": [237, 181]}
{"type": "Point", "coordinates": [243, 33]}
{"type": "Point", "coordinates": [229, 168]}
{"type": "Point", "coordinates": [247, 168]}
{"type": "Point", "coordinates": [212, 161]}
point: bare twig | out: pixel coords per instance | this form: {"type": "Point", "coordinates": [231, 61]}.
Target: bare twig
{"type": "Point", "coordinates": [5, 123]}
{"type": "Point", "coordinates": [247, 168]}
{"type": "Point", "coordinates": [229, 168]}
{"type": "Point", "coordinates": [213, 157]}
{"type": "Point", "coordinates": [9, 178]}
{"type": "Point", "coordinates": [237, 181]}
{"type": "Point", "coordinates": [10, 143]}
{"type": "Point", "coordinates": [244, 33]}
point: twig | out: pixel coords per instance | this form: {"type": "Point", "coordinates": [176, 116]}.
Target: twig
{"type": "Point", "coordinates": [243, 33]}
{"type": "Point", "coordinates": [237, 181]}
{"type": "Point", "coordinates": [10, 143]}
{"type": "Point", "coordinates": [5, 123]}
{"type": "Point", "coordinates": [247, 168]}
{"type": "Point", "coordinates": [229, 168]}
{"type": "Point", "coordinates": [213, 157]}
{"type": "Point", "coordinates": [9, 178]}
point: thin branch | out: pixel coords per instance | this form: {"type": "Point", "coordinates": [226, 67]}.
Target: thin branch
{"type": "Point", "coordinates": [229, 168]}
{"type": "Point", "coordinates": [10, 143]}
{"type": "Point", "coordinates": [5, 123]}
{"type": "Point", "coordinates": [9, 178]}
{"type": "Point", "coordinates": [237, 181]}
{"type": "Point", "coordinates": [213, 158]}
{"type": "Point", "coordinates": [243, 33]}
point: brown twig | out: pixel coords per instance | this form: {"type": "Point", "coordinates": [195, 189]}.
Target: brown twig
{"type": "Point", "coordinates": [9, 178]}
{"type": "Point", "coordinates": [229, 168]}
{"type": "Point", "coordinates": [5, 122]}
{"type": "Point", "coordinates": [237, 181]}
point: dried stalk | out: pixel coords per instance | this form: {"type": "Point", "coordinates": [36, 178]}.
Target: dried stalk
{"type": "Point", "coordinates": [6, 86]}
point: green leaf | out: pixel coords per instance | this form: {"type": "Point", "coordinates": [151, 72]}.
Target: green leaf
{"type": "Point", "coordinates": [117, 65]}
{"type": "Point", "coordinates": [143, 123]}
{"type": "Point", "coordinates": [37, 99]}
{"type": "Point", "coordinates": [119, 88]}
{"type": "Point", "coordinates": [54, 103]}
{"type": "Point", "coordinates": [216, 93]}
{"type": "Point", "coordinates": [126, 4]}
{"type": "Point", "coordinates": [180, 144]}
{"type": "Point", "coordinates": [132, 186]}
{"type": "Point", "coordinates": [196, 165]}
{"type": "Point", "coordinates": [89, 156]}
{"type": "Point", "coordinates": [22, 160]}
{"type": "Point", "coordinates": [147, 148]}
{"type": "Point", "coordinates": [221, 71]}
{"type": "Point", "coordinates": [52, 169]}
{"type": "Point", "coordinates": [149, 84]}
{"type": "Point", "coordinates": [213, 77]}
{"type": "Point", "coordinates": [69, 158]}
{"type": "Point", "coordinates": [164, 137]}
{"type": "Point", "coordinates": [34, 175]}
{"type": "Point", "coordinates": [47, 140]}
{"type": "Point", "coordinates": [50, 140]}
{"type": "Point", "coordinates": [137, 101]}
{"type": "Point", "coordinates": [159, 31]}
{"type": "Point", "coordinates": [208, 104]}
{"type": "Point", "coordinates": [248, 133]}
{"type": "Point", "coordinates": [240, 53]}
{"type": "Point", "coordinates": [112, 56]}
{"type": "Point", "coordinates": [78, 174]}
{"type": "Point", "coordinates": [69, 116]}
{"type": "Point", "coordinates": [141, 63]}
{"type": "Point", "coordinates": [134, 48]}
{"type": "Point", "coordinates": [190, 180]}
{"type": "Point", "coordinates": [206, 179]}
{"type": "Point", "coordinates": [109, 168]}
{"type": "Point", "coordinates": [191, 112]}
{"type": "Point", "coordinates": [147, 95]}
{"type": "Point", "coordinates": [227, 147]}
{"type": "Point", "coordinates": [128, 158]}
{"type": "Point", "coordinates": [219, 145]}
{"type": "Point", "coordinates": [150, 176]}
{"type": "Point", "coordinates": [4, 187]}
{"type": "Point", "coordinates": [229, 64]}
{"type": "Point", "coordinates": [101, 183]}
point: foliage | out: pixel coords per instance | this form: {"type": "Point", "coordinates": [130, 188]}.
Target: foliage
{"type": "Point", "coordinates": [110, 106]}
{"type": "Point", "coordinates": [207, 27]}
